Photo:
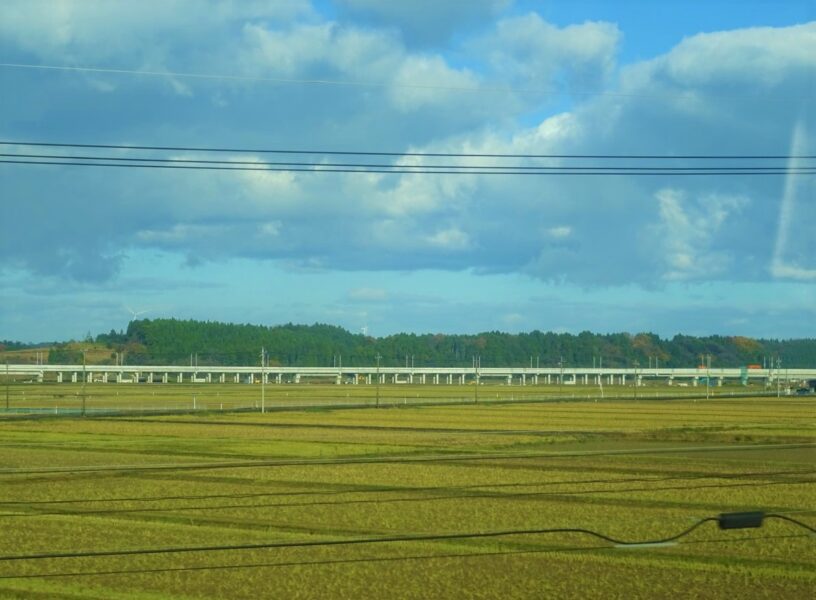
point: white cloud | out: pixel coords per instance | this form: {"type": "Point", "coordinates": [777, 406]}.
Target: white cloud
{"type": "Point", "coordinates": [428, 81]}
{"type": "Point", "coordinates": [592, 231]}
{"type": "Point", "coordinates": [96, 31]}
{"type": "Point", "coordinates": [530, 51]}
{"type": "Point", "coordinates": [367, 294]}
{"type": "Point", "coordinates": [560, 232]}
{"type": "Point", "coordinates": [686, 232]}
{"type": "Point", "coordinates": [179, 233]}
{"type": "Point", "coordinates": [348, 53]}
{"type": "Point", "coordinates": [424, 21]}
{"type": "Point", "coordinates": [271, 229]}
{"type": "Point", "coordinates": [753, 55]}
{"type": "Point", "coordinates": [452, 238]}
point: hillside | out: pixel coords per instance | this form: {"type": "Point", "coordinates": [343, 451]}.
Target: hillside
{"type": "Point", "coordinates": [171, 341]}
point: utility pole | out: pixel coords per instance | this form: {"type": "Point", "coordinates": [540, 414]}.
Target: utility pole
{"type": "Point", "coordinates": [476, 362]}
{"type": "Point", "coordinates": [263, 380]}
{"type": "Point", "coordinates": [561, 377]}
{"type": "Point", "coordinates": [637, 364]}
{"type": "Point", "coordinates": [84, 380]}
{"type": "Point", "coordinates": [778, 368]}
{"type": "Point", "coordinates": [600, 385]}
{"type": "Point", "coordinates": [378, 357]}
{"type": "Point", "coordinates": [7, 386]}
{"type": "Point", "coordinates": [708, 375]}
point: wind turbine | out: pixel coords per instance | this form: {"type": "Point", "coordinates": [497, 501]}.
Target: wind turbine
{"type": "Point", "coordinates": [134, 313]}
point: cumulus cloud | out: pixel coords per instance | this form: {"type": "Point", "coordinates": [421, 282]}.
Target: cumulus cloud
{"type": "Point", "coordinates": [685, 235]}
{"type": "Point", "coordinates": [424, 22]}
{"type": "Point", "coordinates": [560, 232]}
{"type": "Point", "coordinates": [452, 238]}
{"type": "Point", "coordinates": [367, 294]}
{"type": "Point", "coordinates": [79, 31]}
{"type": "Point", "coordinates": [591, 231]}
{"type": "Point", "coordinates": [532, 52]}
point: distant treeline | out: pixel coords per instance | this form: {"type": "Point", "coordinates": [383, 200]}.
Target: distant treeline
{"type": "Point", "coordinates": [9, 345]}
{"type": "Point", "coordinates": [171, 341]}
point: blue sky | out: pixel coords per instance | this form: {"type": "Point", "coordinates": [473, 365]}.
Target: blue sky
{"type": "Point", "coordinates": [82, 247]}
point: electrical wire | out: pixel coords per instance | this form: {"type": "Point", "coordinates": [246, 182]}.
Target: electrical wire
{"type": "Point", "coordinates": [392, 539]}
{"type": "Point", "coordinates": [322, 165]}
{"type": "Point", "coordinates": [412, 154]}
{"type": "Point", "coordinates": [352, 83]}
{"type": "Point", "coordinates": [409, 171]}
{"type": "Point", "coordinates": [319, 82]}
{"type": "Point", "coordinates": [357, 541]}
{"type": "Point", "coordinates": [790, 520]}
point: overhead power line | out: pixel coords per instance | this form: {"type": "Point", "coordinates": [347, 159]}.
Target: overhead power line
{"type": "Point", "coordinates": [372, 165]}
{"type": "Point", "coordinates": [312, 81]}
{"type": "Point", "coordinates": [325, 152]}
{"type": "Point", "coordinates": [375, 84]}
{"type": "Point", "coordinates": [403, 170]}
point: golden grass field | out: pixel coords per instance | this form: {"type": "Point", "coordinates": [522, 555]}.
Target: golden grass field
{"type": "Point", "coordinates": [315, 492]}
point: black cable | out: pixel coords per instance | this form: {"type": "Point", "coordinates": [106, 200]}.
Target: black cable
{"type": "Point", "coordinates": [358, 541]}
{"type": "Point", "coordinates": [407, 538]}
{"type": "Point", "coordinates": [790, 520]}
{"type": "Point", "coordinates": [430, 154]}
{"type": "Point", "coordinates": [406, 171]}
{"type": "Point", "coordinates": [321, 165]}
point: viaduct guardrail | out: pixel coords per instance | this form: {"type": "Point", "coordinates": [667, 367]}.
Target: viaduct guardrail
{"type": "Point", "coordinates": [400, 375]}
